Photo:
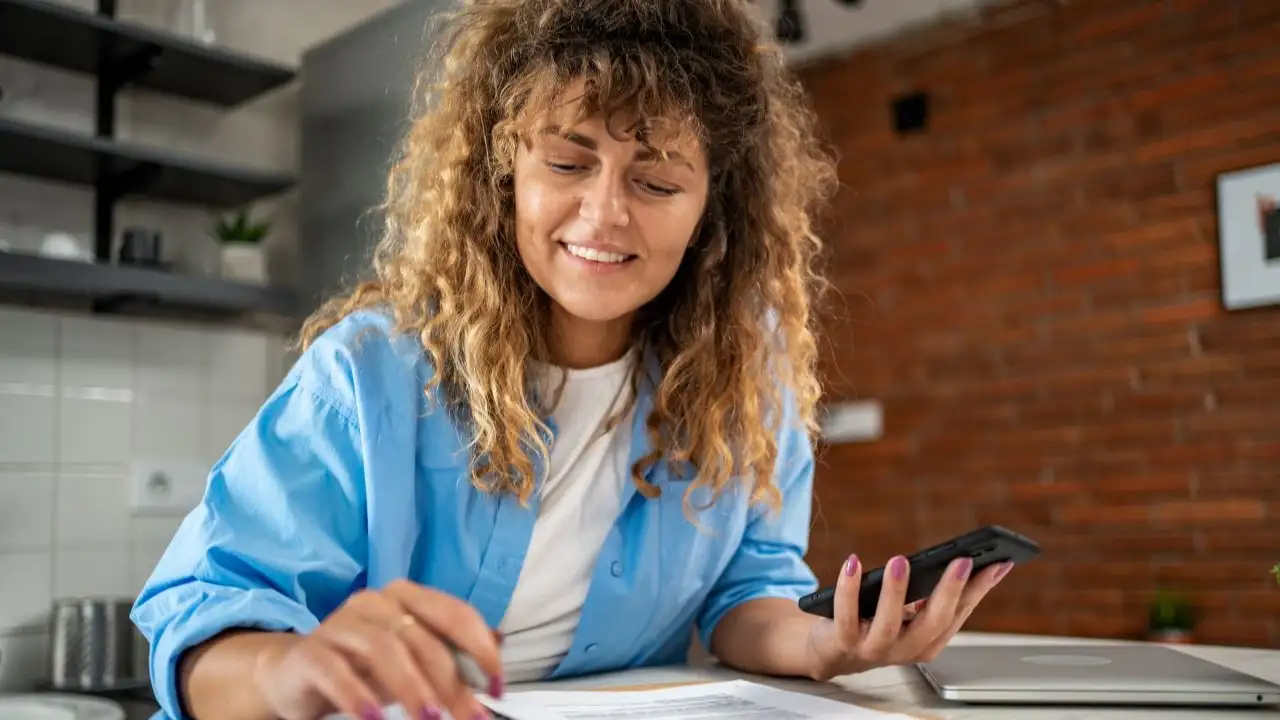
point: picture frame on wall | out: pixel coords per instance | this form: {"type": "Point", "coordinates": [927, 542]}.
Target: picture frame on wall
{"type": "Point", "coordinates": [1249, 236]}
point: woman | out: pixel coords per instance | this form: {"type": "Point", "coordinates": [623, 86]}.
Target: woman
{"type": "Point", "coordinates": [568, 424]}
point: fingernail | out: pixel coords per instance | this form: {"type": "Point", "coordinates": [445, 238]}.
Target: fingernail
{"type": "Point", "coordinates": [1004, 570]}
{"type": "Point", "coordinates": [851, 566]}
{"type": "Point", "coordinates": [369, 712]}
{"type": "Point", "coordinates": [495, 688]}
{"type": "Point", "coordinates": [963, 568]}
{"type": "Point", "coordinates": [481, 715]}
{"type": "Point", "coordinates": [898, 566]}
{"type": "Point", "coordinates": [430, 713]}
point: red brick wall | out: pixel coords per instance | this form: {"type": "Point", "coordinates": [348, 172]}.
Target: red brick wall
{"type": "Point", "coordinates": [1031, 287]}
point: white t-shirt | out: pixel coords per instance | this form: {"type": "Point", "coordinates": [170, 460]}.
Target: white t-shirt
{"type": "Point", "coordinates": [578, 505]}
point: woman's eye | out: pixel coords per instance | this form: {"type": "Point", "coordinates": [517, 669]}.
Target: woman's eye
{"type": "Point", "coordinates": [570, 168]}
{"type": "Point", "coordinates": [662, 190]}
{"type": "Point", "coordinates": [563, 167]}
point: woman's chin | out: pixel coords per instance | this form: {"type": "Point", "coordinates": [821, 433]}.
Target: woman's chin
{"type": "Point", "coordinates": [595, 309]}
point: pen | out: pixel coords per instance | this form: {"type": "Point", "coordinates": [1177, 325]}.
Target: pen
{"type": "Point", "coordinates": [472, 675]}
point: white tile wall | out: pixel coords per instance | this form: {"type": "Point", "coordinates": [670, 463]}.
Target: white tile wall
{"type": "Point", "coordinates": [82, 398]}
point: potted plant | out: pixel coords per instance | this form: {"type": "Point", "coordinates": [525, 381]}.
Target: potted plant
{"type": "Point", "coordinates": [240, 238]}
{"type": "Point", "coordinates": [1172, 618]}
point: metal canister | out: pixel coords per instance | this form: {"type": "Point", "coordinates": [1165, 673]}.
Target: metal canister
{"type": "Point", "coordinates": [93, 645]}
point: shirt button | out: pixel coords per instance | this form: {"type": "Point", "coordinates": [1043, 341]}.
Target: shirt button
{"type": "Point", "coordinates": [590, 648]}
{"type": "Point", "coordinates": [616, 569]}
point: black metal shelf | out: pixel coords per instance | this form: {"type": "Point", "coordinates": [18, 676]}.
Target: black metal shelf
{"type": "Point", "coordinates": [45, 281]}
{"type": "Point", "coordinates": [128, 53]}
{"type": "Point", "coordinates": [121, 169]}
{"type": "Point", "coordinates": [121, 54]}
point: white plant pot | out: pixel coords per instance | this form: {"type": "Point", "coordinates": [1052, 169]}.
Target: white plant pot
{"type": "Point", "coordinates": [244, 262]}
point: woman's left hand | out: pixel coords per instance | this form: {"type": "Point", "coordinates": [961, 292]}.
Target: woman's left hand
{"type": "Point", "coordinates": [898, 634]}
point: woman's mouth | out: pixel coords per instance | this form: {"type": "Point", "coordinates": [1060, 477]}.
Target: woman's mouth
{"type": "Point", "coordinates": [592, 255]}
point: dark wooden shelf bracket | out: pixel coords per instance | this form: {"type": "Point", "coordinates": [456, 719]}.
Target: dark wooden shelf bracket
{"type": "Point", "coordinates": [118, 73]}
{"type": "Point", "coordinates": [111, 185]}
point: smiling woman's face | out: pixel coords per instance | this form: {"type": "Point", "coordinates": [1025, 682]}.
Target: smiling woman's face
{"type": "Point", "coordinates": [602, 223]}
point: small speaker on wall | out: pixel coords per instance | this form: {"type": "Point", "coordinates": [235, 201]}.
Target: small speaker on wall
{"type": "Point", "coordinates": [910, 112]}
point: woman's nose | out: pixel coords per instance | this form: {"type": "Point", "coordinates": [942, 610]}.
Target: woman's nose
{"type": "Point", "coordinates": [604, 203]}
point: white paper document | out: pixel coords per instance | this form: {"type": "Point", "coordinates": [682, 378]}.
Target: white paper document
{"type": "Point", "coordinates": [704, 701]}
{"type": "Point", "coordinates": [738, 699]}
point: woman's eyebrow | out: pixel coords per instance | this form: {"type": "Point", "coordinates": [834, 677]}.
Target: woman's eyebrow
{"type": "Point", "coordinates": [646, 154]}
{"type": "Point", "coordinates": [573, 137]}
{"type": "Point", "coordinates": [649, 154]}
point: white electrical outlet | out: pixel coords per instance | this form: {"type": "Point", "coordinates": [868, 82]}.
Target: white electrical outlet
{"type": "Point", "coordinates": [858, 421]}
{"type": "Point", "coordinates": [167, 487]}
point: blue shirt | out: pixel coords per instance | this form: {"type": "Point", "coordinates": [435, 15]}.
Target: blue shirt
{"type": "Point", "coordinates": [348, 478]}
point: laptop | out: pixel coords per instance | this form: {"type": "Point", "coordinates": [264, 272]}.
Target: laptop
{"type": "Point", "coordinates": [1090, 675]}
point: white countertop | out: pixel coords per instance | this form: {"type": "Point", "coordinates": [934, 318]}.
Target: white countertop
{"type": "Point", "coordinates": [902, 690]}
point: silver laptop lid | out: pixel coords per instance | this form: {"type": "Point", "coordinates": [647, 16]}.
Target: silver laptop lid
{"type": "Point", "coordinates": [1086, 668]}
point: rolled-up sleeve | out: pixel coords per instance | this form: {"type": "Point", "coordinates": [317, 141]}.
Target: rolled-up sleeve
{"type": "Point", "coordinates": [277, 542]}
{"type": "Point", "coordinates": [769, 561]}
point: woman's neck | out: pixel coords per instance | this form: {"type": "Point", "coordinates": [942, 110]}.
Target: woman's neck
{"type": "Point", "coordinates": [578, 344]}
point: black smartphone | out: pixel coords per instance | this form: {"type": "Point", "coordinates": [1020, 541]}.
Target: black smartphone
{"type": "Point", "coordinates": [987, 546]}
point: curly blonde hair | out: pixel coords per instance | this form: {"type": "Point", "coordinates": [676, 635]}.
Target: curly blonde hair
{"type": "Point", "coordinates": [732, 333]}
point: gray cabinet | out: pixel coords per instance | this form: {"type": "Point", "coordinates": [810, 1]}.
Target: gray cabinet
{"type": "Point", "coordinates": [355, 99]}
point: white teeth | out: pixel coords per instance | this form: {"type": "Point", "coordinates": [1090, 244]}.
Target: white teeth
{"type": "Point", "coordinates": [594, 255]}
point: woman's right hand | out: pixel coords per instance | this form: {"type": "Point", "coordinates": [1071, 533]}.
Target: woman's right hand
{"type": "Point", "coordinates": [380, 647]}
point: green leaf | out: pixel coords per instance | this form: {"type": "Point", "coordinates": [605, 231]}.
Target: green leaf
{"type": "Point", "coordinates": [239, 227]}
{"type": "Point", "coordinates": [1171, 611]}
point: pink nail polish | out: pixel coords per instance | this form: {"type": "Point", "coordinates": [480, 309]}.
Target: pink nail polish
{"type": "Point", "coordinates": [851, 565]}
{"type": "Point", "coordinates": [963, 568]}
{"type": "Point", "coordinates": [898, 566]}
{"type": "Point", "coordinates": [369, 712]}
{"type": "Point", "coordinates": [495, 688]}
